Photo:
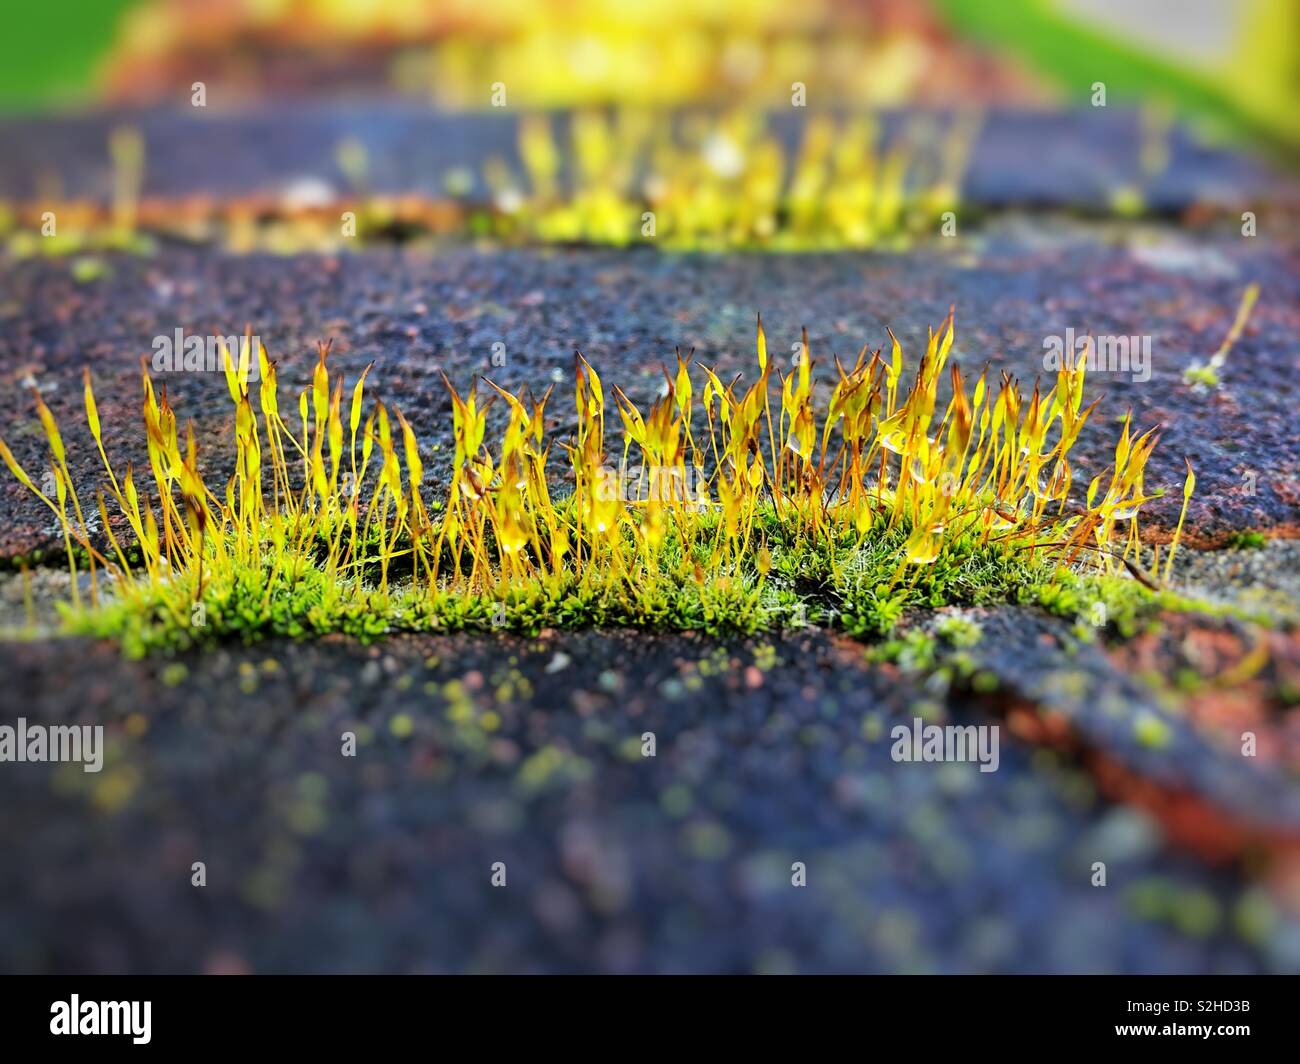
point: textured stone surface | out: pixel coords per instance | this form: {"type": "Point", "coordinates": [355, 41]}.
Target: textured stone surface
{"type": "Point", "coordinates": [528, 752]}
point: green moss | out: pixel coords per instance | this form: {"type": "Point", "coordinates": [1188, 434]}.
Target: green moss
{"type": "Point", "coordinates": [88, 268]}
{"type": "Point", "coordinates": [1247, 541]}
{"type": "Point", "coordinates": [1192, 910]}
{"type": "Point", "coordinates": [849, 583]}
{"type": "Point", "coordinates": [1151, 731]}
{"type": "Point", "coordinates": [959, 631]}
{"type": "Point", "coordinates": [1121, 606]}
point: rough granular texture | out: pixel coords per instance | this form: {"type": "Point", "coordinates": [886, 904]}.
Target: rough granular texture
{"type": "Point", "coordinates": [529, 753]}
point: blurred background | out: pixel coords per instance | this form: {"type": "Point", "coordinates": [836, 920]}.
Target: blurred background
{"type": "Point", "coordinates": [758, 124]}
{"type": "Point", "coordinates": [1231, 65]}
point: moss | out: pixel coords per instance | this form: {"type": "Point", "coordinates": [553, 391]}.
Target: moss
{"type": "Point", "coordinates": [1151, 731]}
{"type": "Point", "coordinates": [779, 532]}
{"type": "Point", "coordinates": [842, 585]}
{"type": "Point", "coordinates": [1192, 910]}
{"type": "Point", "coordinates": [959, 631]}
{"type": "Point", "coordinates": [1199, 375]}
{"type": "Point", "coordinates": [1119, 606]}
{"type": "Point", "coordinates": [1247, 541]}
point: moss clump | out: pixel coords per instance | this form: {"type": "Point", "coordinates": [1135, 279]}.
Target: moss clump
{"type": "Point", "coordinates": [726, 511]}
{"type": "Point", "coordinates": [1247, 541]}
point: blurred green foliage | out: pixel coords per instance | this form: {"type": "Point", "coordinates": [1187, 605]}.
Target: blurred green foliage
{"type": "Point", "coordinates": [1252, 93]}
{"type": "Point", "coordinates": [49, 52]}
